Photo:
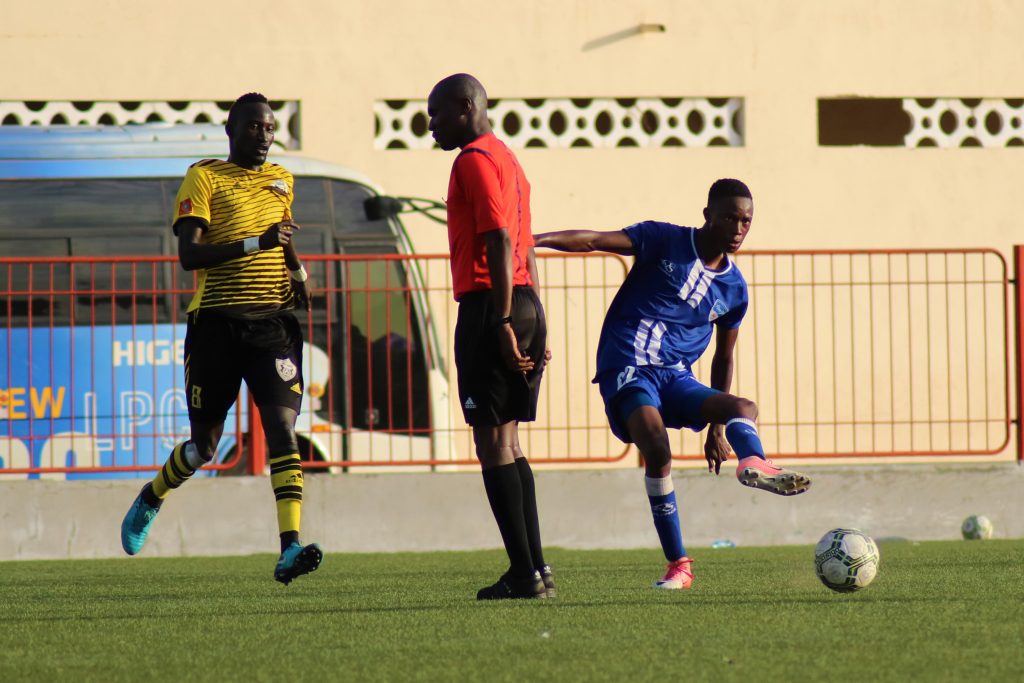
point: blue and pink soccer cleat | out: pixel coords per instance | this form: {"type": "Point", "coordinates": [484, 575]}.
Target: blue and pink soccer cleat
{"type": "Point", "coordinates": [678, 576]}
{"type": "Point", "coordinates": [761, 474]}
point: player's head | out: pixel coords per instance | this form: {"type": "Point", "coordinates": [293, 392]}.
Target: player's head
{"type": "Point", "coordinates": [728, 215]}
{"type": "Point", "coordinates": [250, 129]}
{"type": "Point", "coordinates": [457, 108]}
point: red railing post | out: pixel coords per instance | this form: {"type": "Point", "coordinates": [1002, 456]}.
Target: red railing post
{"type": "Point", "coordinates": [1018, 306]}
{"type": "Point", "coordinates": [257, 443]}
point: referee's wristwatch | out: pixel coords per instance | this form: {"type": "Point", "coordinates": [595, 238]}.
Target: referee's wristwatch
{"type": "Point", "coordinates": [507, 320]}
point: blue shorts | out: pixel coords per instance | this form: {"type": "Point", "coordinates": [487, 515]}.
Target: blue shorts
{"type": "Point", "coordinates": [675, 393]}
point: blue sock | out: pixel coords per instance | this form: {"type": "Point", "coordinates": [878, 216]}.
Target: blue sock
{"type": "Point", "coordinates": [742, 436]}
{"type": "Point", "coordinates": [662, 495]}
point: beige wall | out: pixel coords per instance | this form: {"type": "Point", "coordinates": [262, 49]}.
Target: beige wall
{"type": "Point", "coordinates": [337, 58]}
{"type": "Point", "coordinates": [780, 55]}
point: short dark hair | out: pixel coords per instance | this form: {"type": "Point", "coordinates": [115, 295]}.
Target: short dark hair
{"type": "Point", "coordinates": [247, 98]}
{"type": "Point", "coordinates": [726, 188]}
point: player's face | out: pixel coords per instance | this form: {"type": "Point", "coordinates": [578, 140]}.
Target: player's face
{"type": "Point", "coordinates": [447, 120]}
{"type": "Point", "coordinates": [253, 134]}
{"type": "Point", "coordinates": [729, 222]}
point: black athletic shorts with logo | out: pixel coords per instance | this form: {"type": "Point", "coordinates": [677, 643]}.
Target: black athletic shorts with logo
{"type": "Point", "coordinates": [490, 393]}
{"type": "Point", "coordinates": [221, 351]}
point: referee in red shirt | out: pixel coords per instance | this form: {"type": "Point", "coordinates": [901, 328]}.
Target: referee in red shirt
{"type": "Point", "coordinates": [500, 334]}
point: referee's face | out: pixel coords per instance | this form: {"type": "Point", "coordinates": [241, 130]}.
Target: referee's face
{"type": "Point", "coordinates": [729, 221]}
{"type": "Point", "coordinates": [447, 122]}
{"type": "Point", "coordinates": [252, 135]}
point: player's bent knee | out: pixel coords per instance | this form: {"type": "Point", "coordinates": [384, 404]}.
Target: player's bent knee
{"type": "Point", "coordinates": [746, 409]}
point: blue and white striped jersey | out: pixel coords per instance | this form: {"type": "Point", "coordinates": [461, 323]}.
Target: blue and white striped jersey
{"type": "Point", "coordinates": [663, 312]}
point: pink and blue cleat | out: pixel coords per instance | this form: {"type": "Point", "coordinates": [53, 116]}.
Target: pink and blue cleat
{"type": "Point", "coordinates": [678, 576]}
{"type": "Point", "coordinates": [762, 474]}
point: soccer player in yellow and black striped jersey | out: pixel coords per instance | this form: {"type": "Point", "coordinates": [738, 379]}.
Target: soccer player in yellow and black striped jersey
{"type": "Point", "coordinates": [233, 223]}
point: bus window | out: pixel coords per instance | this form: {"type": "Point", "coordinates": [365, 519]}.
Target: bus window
{"type": "Point", "coordinates": [117, 292]}
{"type": "Point", "coordinates": [310, 209]}
{"type": "Point", "coordinates": [82, 204]}
{"type": "Point", "coordinates": [350, 216]}
{"type": "Point", "coordinates": [387, 370]}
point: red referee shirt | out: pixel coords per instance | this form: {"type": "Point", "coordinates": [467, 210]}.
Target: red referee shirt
{"type": "Point", "coordinates": [487, 191]}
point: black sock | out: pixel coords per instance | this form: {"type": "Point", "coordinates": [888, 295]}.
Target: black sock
{"type": "Point", "coordinates": [505, 494]}
{"type": "Point", "coordinates": [530, 511]}
{"type": "Point", "coordinates": [149, 498]}
{"type": "Point", "coordinates": [287, 538]}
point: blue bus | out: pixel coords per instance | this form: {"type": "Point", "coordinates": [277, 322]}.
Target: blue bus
{"type": "Point", "coordinates": [91, 376]}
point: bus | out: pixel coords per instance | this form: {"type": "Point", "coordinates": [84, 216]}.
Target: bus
{"type": "Point", "coordinates": [92, 331]}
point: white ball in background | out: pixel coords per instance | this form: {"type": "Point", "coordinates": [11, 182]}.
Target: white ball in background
{"type": "Point", "coordinates": [976, 528]}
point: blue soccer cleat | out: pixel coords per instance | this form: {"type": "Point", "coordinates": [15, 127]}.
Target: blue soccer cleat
{"type": "Point", "coordinates": [136, 524]}
{"type": "Point", "coordinates": [297, 560]}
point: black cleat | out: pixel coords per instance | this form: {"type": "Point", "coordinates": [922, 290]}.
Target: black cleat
{"type": "Point", "coordinates": [511, 588]}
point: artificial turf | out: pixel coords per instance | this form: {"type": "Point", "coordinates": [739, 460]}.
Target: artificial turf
{"type": "Point", "coordinates": [940, 611]}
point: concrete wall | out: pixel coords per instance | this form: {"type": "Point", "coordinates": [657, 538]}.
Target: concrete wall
{"type": "Point", "coordinates": [423, 512]}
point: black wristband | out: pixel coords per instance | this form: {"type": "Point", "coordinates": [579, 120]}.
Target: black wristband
{"type": "Point", "coordinates": [507, 320]}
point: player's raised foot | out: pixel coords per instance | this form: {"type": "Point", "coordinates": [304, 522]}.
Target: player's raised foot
{"type": "Point", "coordinates": [297, 560]}
{"type": "Point", "coordinates": [136, 524]}
{"type": "Point", "coordinates": [762, 474]}
{"type": "Point", "coordinates": [678, 576]}
{"type": "Point", "coordinates": [509, 587]}
{"type": "Point", "coordinates": [547, 575]}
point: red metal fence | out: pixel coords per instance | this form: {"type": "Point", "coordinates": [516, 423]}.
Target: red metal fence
{"type": "Point", "coordinates": [852, 353]}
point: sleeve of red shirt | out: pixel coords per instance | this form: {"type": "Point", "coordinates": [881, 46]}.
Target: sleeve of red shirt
{"type": "Point", "coordinates": [478, 175]}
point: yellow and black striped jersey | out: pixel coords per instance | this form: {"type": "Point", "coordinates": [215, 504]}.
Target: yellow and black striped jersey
{"type": "Point", "coordinates": [238, 203]}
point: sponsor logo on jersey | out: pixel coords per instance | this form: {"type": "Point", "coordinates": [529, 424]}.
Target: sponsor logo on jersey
{"type": "Point", "coordinates": [469, 404]}
{"type": "Point", "coordinates": [667, 266]}
{"type": "Point", "coordinates": [279, 186]}
{"type": "Point", "coordinates": [296, 388]}
{"type": "Point", "coordinates": [286, 369]}
{"type": "Point", "coordinates": [717, 310]}
{"type": "Point", "coordinates": [185, 208]}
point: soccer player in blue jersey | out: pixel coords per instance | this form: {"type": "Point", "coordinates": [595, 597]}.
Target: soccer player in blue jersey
{"type": "Point", "coordinates": [682, 284]}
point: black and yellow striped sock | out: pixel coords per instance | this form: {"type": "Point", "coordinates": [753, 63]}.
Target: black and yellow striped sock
{"type": "Point", "coordinates": [182, 464]}
{"type": "Point", "coordinates": [286, 478]}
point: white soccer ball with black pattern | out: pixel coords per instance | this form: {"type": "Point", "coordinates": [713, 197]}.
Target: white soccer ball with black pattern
{"type": "Point", "coordinates": [846, 560]}
{"type": "Point", "coordinates": [976, 527]}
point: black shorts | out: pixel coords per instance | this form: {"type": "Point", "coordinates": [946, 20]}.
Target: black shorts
{"type": "Point", "coordinates": [490, 393]}
{"type": "Point", "coordinates": [221, 351]}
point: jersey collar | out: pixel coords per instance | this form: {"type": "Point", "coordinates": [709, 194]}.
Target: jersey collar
{"type": "Point", "coordinates": [720, 271]}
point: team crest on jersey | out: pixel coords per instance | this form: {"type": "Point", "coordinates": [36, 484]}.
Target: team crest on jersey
{"type": "Point", "coordinates": [285, 369]}
{"type": "Point", "coordinates": [279, 186]}
{"type": "Point", "coordinates": [667, 266]}
{"type": "Point", "coordinates": [185, 208]}
{"type": "Point", "coordinates": [718, 310]}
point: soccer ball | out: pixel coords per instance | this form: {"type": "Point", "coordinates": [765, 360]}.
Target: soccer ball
{"type": "Point", "coordinates": [976, 527]}
{"type": "Point", "coordinates": [846, 560]}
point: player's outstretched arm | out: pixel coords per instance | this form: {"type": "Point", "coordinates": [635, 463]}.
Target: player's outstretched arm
{"type": "Point", "coordinates": [613, 241]}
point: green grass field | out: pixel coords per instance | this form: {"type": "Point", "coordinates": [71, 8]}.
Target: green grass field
{"type": "Point", "coordinates": [949, 611]}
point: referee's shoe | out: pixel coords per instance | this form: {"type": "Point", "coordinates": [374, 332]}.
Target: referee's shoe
{"type": "Point", "coordinates": [509, 587]}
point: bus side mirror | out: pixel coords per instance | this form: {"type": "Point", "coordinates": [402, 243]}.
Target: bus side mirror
{"type": "Point", "coordinates": [381, 207]}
